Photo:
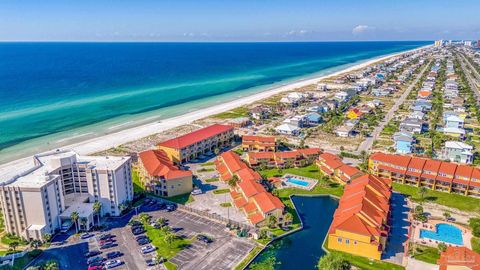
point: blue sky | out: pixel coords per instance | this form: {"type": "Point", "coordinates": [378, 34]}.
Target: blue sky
{"type": "Point", "coordinates": [241, 20]}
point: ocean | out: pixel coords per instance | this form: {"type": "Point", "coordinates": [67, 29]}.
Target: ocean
{"type": "Point", "coordinates": [52, 93]}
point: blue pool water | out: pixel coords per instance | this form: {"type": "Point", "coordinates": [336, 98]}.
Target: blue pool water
{"type": "Point", "coordinates": [446, 233]}
{"type": "Point", "coordinates": [297, 182]}
{"type": "Point", "coordinates": [77, 91]}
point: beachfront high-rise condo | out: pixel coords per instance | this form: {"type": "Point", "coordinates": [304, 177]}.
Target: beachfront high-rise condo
{"type": "Point", "coordinates": [41, 198]}
{"type": "Point", "coordinates": [197, 143]}
{"type": "Point", "coordinates": [159, 175]}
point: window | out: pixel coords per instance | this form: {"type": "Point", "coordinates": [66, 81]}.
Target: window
{"type": "Point", "coordinates": [347, 241]}
{"type": "Point", "coordinates": [339, 239]}
{"type": "Point", "coordinates": [355, 242]}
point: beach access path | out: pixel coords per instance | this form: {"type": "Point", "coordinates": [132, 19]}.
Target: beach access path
{"type": "Point", "coordinates": [368, 142]}
{"type": "Point", "coordinates": [116, 139]}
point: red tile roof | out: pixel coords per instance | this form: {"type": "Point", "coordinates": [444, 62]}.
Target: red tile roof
{"type": "Point", "coordinates": [459, 256]}
{"type": "Point", "coordinates": [260, 139]}
{"type": "Point", "coordinates": [196, 136]}
{"type": "Point", "coordinates": [157, 163]}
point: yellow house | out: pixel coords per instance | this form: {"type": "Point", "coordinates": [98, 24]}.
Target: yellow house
{"type": "Point", "coordinates": [354, 113]}
{"type": "Point", "coordinates": [359, 225]}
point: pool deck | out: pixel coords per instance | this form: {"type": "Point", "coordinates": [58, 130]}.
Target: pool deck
{"type": "Point", "coordinates": [311, 182]}
{"type": "Point", "coordinates": [430, 225]}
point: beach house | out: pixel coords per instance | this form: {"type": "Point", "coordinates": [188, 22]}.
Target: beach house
{"type": "Point", "coordinates": [458, 152]}
{"type": "Point", "coordinates": [360, 223]}
{"type": "Point", "coordinates": [403, 142]}
{"type": "Point", "coordinates": [197, 143]}
{"type": "Point", "coordinates": [287, 129]}
{"type": "Point", "coordinates": [160, 176]}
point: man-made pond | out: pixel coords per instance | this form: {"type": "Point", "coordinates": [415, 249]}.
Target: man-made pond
{"type": "Point", "coordinates": [303, 249]}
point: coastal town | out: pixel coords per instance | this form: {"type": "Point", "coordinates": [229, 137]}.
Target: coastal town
{"type": "Point", "coordinates": [392, 148]}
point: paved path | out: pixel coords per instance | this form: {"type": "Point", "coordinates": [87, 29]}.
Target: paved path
{"type": "Point", "coordinates": [419, 265]}
{"type": "Point", "coordinates": [367, 143]}
{"type": "Point", "coordinates": [394, 251]}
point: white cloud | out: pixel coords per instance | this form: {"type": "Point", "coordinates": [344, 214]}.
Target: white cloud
{"type": "Point", "coordinates": [362, 28]}
{"type": "Point", "coordinates": [301, 32]}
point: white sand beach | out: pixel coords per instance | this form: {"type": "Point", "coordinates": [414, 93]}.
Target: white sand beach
{"type": "Point", "coordinates": [127, 135]}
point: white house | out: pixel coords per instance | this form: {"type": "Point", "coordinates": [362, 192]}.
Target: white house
{"type": "Point", "coordinates": [287, 129]}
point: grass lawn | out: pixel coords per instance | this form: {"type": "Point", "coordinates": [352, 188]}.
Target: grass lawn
{"type": "Point", "coordinates": [137, 185]}
{"type": "Point", "coordinates": [211, 180]}
{"type": "Point", "coordinates": [250, 255]}
{"type": "Point", "coordinates": [211, 163]}
{"type": "Point", "coordinates": [460, 202]}
{"type": "Point", "coordinates": [235, 113]}
{"type": "Point", "coordinates": [206, 170]}
{"type": "Point", "coordinates": [221, 191]}
{"type": "Point", "coordinates": [7, 239]}
{"type": "Point", "coordinates": [426, 254]}
{"type": "Point", "coordinates": [226, 204]}
{"type": "Point", "coordinates": [476, 244]}
{"type": "Point", "coordinates": [368, 264]}
{"type": "Point", "coordinates": [163, 248]}
{"type": "Point", "coordinates": [182, 199]}
{"type": "Point", "coordinates": [21, 262]}
{"type": "Point", "coordinates": [170, 266]}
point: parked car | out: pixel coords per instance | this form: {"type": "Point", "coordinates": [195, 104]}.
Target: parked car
{"type": "Point", "coordinates": [95, 259]}
{"type": "Point", "coordinates": [147, 249]}
{"type": "Point", "coordinates": [107, 245]}
{"type": "Point", "coordinates": [140, 237]}
{"type": "Point", "coordinates": [151, 262]}
{"type": "Point", "coordinates": [204, 238]}
{"type": "Point", "coordinates": [92, 253]}
{"type": "Point", "coordinates": [196, 191]}
{"type": "Point", "coordinates": [99, 265]}
{"type": "Point", "coordinates": [104, 236]}
{"type": "Point", "coordinates": [171, 207]}
{"type": "Point", "coordinates": [113, 264]}
{"type": "Point", "coordinates": [103, 242]}
{"type": "Point", "coordinates": [138, 231]}
{"type": "Point", "coordinates": [86, 235]}
{"type": "Point", "coordinates": [143, 241]}
{"type": "Point", "coordinates": [113, 255]}
{"type": "Point", "coordinates": [95, 267]}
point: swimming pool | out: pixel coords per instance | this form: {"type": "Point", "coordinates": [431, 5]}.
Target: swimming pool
{"type": "Point", "coordinates": [445, 232]}
{"type": "Point", "coordinates": [298, 182]}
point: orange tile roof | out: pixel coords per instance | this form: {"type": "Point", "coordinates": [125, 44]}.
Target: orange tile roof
{"type": "Point", "coordinates": [267, 202]}
{"type": "Point", "coordinates": [464, 171]}
{"type": "Point", "coordinates": [364, 206]}
{"type": "Point", "coordinates": [309, 151]}
{"type": "Point", "coordinates": [261, 155]}
{"type": "Point", "coordinates": [196, 136]}
{"type": "Point", "coordinates": [328, 156]}
{"type": "Point", "coordinates": [424, 93]}
{"type": "Point", "coordinates": [349, 170]}
{"type": "Point", "coordinates": [256, 218]}
{"type": "Point", "coordinates": [157, 163]}
{"type": "Point", "coordinates": [459, 256]}
{"type": "Point", "coordinates": [261, 139]}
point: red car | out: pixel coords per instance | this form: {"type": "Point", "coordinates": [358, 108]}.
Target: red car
{"type": "Point", "coordinates": [96, 267]}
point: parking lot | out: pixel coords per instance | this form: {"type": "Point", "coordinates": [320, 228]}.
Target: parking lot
{"type": "Point", "coordinates": [224, 252]}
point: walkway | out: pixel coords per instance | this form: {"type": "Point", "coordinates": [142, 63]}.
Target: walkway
{"type": "Point", "coordinates": [394, 251]}
{"type": "Point", "coordinates": [419, 265]}
{"type": "Point", "coordinates": [368, 142]}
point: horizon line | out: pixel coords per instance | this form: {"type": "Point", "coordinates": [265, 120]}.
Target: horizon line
{"type": "Point", "coordinates": [208, 41]}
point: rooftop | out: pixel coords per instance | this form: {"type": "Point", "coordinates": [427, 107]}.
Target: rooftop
{"type": "Point", "coordinates": [196, 136]}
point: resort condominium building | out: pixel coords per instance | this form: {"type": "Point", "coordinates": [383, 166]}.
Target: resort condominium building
{"type": "Point", "coordinates": [200, 142]}
{"type": "Point", "coordinates": [159, 175]}
{"type": "Point", "coordinates": [434, 174]}
{"type": "Point", "coordinates": [259, 143]}
{"type": "Point", "coordinates": [248, 194]}
{"type": "Point", "coordinates": [287, 159]}
{"type": "Point", "coordinates": [359, 224]}
{"type": "Point", "coordinates": [39, 198]}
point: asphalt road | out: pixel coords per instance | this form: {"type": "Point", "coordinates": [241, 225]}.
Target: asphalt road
{"type": "Point", "coordinates": [368, 142]}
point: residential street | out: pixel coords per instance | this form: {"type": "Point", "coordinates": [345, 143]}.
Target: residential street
{"type": "Point", "coordinates": [368, 143]}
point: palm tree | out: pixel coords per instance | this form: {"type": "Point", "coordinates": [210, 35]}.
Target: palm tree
{"type": "Point", "coordinates": [74, 216]}
{"type": "Point", "coordinates": [166, 229]}
{"type": "Point", "coordinates": [333, 261]}
{"type": "Point", "coordinates": [169, 238]}
{"type": "Point", "coordinates": [162, 221]}
{"type": "Point", "coordinates": [97, 207]}
{"type": "Point", "coordinates": [47, 237]}
{"type": "Point", "coordinates": [272, 221]}
{"type": "Point", "coordinates": [232, 182]}
{"type": "Point", "coordinates": [288, 218]}
{"type": "Point", "coordinates": [13, 245]}
{"type": "Point", "coordinates": [51, 265]}
{"type": "Point", "coordinates": [447, 216]}
{"type": "Point", "coordinates": [83, 222]}
{"type": "Point", "coordinates": [35, 243]}
{"type": "Point", "coordinates": [144, 218]}
{"type": "Point", "coordinates": [422, 191]}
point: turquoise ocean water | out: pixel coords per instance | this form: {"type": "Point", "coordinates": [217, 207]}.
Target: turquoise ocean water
{"type": "Point", "coordinates": [52, 94]}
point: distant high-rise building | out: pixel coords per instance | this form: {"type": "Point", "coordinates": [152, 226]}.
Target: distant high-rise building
{"type": "Point", "coordinates": [468, 43]}
{"type": "Point", "coordinates": [438, 43]}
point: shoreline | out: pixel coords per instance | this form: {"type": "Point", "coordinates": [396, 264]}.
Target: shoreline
{"type": "Point", "coordinates": [115, 139]}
